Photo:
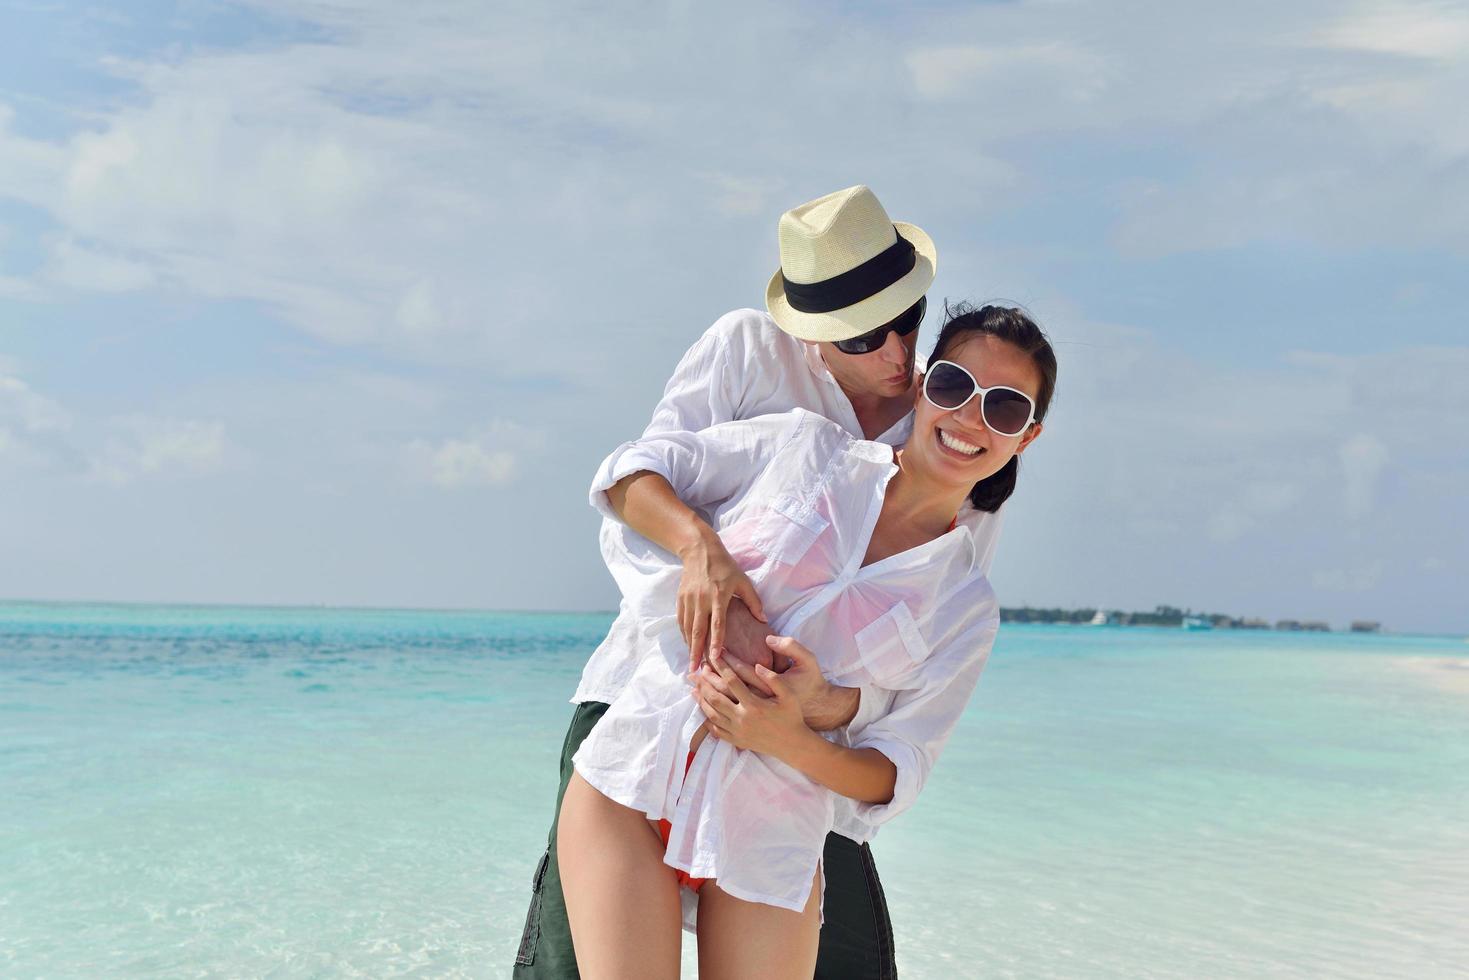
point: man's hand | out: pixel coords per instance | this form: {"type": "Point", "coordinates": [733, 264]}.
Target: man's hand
{"type": "Point", "coordinates": [824, 706]}
{"type": "Point", "coordinates": [745, 646]}
{"type": "Point", "coordinates": [710, 580]}
{"type": "Point", "coordinates": [771, 725]}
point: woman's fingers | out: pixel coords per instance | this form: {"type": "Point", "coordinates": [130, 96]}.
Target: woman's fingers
{"type": "Point", "coordinates": [737, 686]}
{"type": "Point", "coordinates": [776, 682]}
{"type": "Point", "coordinates": [717, 682]}
{"type": "Point", "coordinates": [702, 695]}
{"type": "Point", "coordinates": [747, 674]}
{"type": "Point", "coordinates": [716, 705]}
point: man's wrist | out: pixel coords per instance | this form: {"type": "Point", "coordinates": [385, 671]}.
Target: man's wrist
{"type": "Point", "coordinates": [694, 537]}
{"type": "Point", "coordinates": [835, 707]}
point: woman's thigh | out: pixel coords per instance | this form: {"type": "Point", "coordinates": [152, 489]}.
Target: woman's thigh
{"type": "Point", "coordinates": [621, 899]}
{"type": "Point", "coordinates": [739, 939]}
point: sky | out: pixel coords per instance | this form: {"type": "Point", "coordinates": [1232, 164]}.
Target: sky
{"type": "Point", "coordinates": [314, 302]}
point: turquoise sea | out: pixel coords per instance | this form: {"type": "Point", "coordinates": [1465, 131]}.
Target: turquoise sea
{"type": "Point", "coordinates": [198, 792]}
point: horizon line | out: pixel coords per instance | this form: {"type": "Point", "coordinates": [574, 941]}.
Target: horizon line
{"type": "Point", "coordinates": [333, 607]}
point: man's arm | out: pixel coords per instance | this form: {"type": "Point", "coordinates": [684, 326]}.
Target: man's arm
{"type": "Point", "coordinates": [647, 503]}
{"type": "Point", "coordinates": [715, 591]}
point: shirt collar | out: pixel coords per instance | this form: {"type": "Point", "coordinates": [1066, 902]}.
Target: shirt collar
{"type": "Point", "coordinates": [814, 361]}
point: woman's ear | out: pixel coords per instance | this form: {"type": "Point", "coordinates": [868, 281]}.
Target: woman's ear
{"type": "Point", "coordinates": [1029, 437]}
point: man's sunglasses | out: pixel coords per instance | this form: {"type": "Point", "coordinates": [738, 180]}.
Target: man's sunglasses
{"type": "Point", "coordinates": [1006, 411]}
{"type": "Point", "coordinates": [902, 325]}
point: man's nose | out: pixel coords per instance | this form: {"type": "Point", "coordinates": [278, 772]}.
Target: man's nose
{"type": "Point", "coordinates": [894, 350]}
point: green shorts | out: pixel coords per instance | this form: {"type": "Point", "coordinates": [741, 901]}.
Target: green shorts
{"type": "Point", "coordinates": [856, 936]}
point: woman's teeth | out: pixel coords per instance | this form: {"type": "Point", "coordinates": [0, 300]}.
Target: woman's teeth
{"type": "Point", "coordinates": [958, 445]}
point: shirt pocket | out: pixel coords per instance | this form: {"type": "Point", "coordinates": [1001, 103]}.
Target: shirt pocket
{"type": "Point", "coordinates": [892, 646]}
{"type": "Point", "coordinates": [788, 529]}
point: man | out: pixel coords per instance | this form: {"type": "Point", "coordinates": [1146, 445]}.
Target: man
{"type": "Point", "coordinates": [840, 340]}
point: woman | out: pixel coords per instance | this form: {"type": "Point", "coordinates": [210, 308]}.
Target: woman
{"type": "Point", "coordinates": [851, 554]}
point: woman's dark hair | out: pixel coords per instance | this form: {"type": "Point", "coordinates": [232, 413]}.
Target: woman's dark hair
{"type": "Point", "coordinates": [1012, 325]}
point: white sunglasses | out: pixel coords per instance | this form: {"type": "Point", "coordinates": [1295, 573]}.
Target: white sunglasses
{"type": "Point", "coordinates": [1006, 411]}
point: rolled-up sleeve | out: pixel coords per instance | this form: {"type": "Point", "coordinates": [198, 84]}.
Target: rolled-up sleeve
{"type": "Point", "coordinates": [705, 467]}
{"type": "Point", "coordinates": [912, 732]}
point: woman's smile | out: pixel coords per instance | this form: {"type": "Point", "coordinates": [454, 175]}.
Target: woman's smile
{"type": "Point", "coordinates": [957, 447]}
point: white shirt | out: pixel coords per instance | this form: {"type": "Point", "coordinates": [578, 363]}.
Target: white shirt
{"type": "Point", "coordinates": [742, 367]}
{"type": "Point", "coordinates": [794, 498]}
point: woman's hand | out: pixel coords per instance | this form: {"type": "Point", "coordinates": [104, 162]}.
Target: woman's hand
{"type": "Point", "coordinates": [710, 579]}
{"type": "Point", "coordinates": [746, 720]}
{"type": "Point", "coordinates": [824, 705]}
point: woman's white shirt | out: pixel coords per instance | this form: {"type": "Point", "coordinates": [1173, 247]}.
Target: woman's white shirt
{"type": "Point", "coordinates": [744, 366]}
{"type": "Point", "coordinates": [794, 497]}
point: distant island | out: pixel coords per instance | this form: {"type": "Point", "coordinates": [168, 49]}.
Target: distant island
{"type": "Point", "coordinates": [1173, 616]}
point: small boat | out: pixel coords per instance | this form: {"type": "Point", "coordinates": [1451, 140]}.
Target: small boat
{"type": "Point", "coordinates": [1100, 619]}
{"type": "Point", "coordinates": [1197, 623]}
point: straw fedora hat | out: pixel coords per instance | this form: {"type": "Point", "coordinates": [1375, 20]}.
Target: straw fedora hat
{"type": "Point", "coordinates": [845, 267]}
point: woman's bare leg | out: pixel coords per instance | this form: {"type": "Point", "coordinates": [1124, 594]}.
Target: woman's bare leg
{"type": "Point", "coordinates": [739, 939]}
{"type": "Point", "coordinates": [621, 899]}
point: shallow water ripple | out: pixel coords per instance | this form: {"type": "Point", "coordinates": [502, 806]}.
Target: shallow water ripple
{"type": "Point", "coordinates": [302, 793]}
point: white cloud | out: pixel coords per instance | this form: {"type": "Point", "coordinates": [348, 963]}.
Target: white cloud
{"type": "Point", "coordinates": [144, 445]}
{"type": "Point", "coordinates": [488, 457]}
{"type": "Point", "coordinates": [736, 195]}
{"type": "Point", "coordinates": [1182, 479]}
{"type": "Point", "coordinates": [15, 287]}
{"type": "Point", "coordinates": [77, 266]}
{"type": "Point", "coordinates": [1363, 458]}
{"type": "Point", "coordinates": [35, 430]}
{"type": "Point", "coordinates": [1349, 578]}
{"type": "Point", "coordinates": [526, 214]}
{"type": "Point", "coordinates": [1242, 511]}
{"type": "Point", "coordinates": [463, 463]}
{"type": "Point", "coordinates": [441, 183]}
{"type": "Point", "coordinates": [24, 408]}
{"type": "Point", "coordinates": [1061, 68]}
{"type": "Point", "coordinates": [1415, 30]}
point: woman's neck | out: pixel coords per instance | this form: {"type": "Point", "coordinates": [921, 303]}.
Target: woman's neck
{"type": "Point", "coordinates": [920, 503]}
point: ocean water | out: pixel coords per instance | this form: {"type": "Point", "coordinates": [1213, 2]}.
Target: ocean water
{"type": "Point", "coordinates": [191, 792]}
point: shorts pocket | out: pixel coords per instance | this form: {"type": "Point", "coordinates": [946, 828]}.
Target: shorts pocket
{"type": "Point", "coordinates": [526, 955]}
{"type": "Point", "coordinates": [788, 530]}
{"type": "Point", "coordinates": [892, 645]}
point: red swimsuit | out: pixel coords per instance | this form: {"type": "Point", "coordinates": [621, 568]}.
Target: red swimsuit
{"type": "Point", "coordinates": [665, 828]}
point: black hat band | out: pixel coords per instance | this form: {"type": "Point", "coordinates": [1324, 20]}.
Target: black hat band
{"type": "Point", "coordinates": [854, 285]}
